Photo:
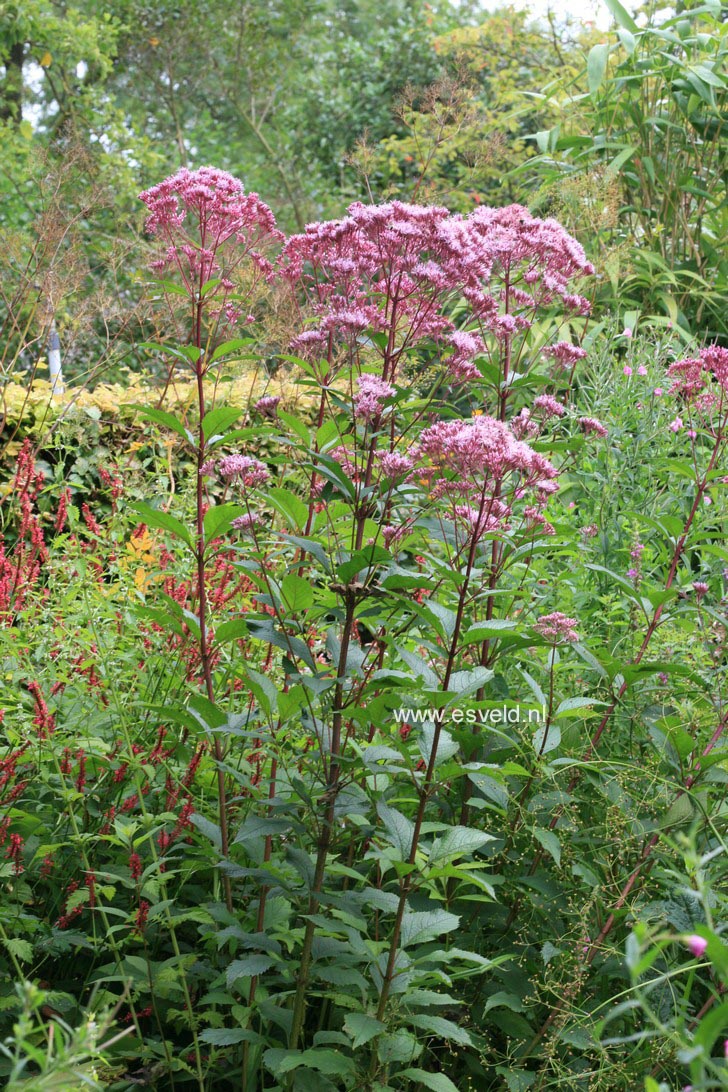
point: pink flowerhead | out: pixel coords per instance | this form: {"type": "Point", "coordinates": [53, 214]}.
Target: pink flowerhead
{"type": "Point", "coordinates": [626, 370]}
{"type": "Point", "coordinates": [215, 199]}
{"type": "Point", "coordinates": [548, 406]}
{"type": "Point", "coordinates": [371, 394]}
{"type": "Point", "coordinates": [700, 588]}
{"type": "Point", "coordinates": [642, 370]}
{"type": "Point", "coordinates": [248, 523]}
{"type": "Point", "coordinates": [244, 470]}
{"type": "Point", "coordinates": [267, 405]}
{"type": "Point", "coordinates": [592, 425]}
{"type": "Point", "coordinates": [657, 391]}
{"type": "Point", "coordinates": [696, 944]}
{"type": "Point", "coordinates": [676, 425]}
{"type": "Point", "coordinates": [467, 346]}
{"type": "Point", "coordinates": [196, 213]}
{"type": "Point", "coordinates": [482, 446]}
{"type": "Point", "coordinates": [695, 379]}
{"type": "Point", "coordinates": [395, 465]}
{"type": "Point", "coordinates": [565, 354]}
{"type": "Point", "coordinates": [557, 627]}
{"type": "Point", "coordinates": [627, 332]}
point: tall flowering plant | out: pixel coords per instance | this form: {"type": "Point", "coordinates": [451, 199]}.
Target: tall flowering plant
{"type": "Point", "coordinates": [214, 236]}
{"type": "Point", "coordinates": [375, 568]}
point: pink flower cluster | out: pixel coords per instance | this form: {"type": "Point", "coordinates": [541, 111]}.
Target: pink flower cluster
{"type": "Point", "coordinates": [195, 213]}
{"type": "Point", "coordinates": [482, 468]}
{"type": "Point", "coordinates": [548, 406]}
{"type": "Point", "coordinates": [484, 447]}
{"type": "Point", "coordinates": [267, 406]}
{"type": "Point", "coordinates": [701, 381]}
{"type": "Point", "coordinates": [372, 392]}
{"type": "Point", "coordinates": [590, 425]}
{"type": "Point", "coordinates": [557, 627]}
{"type": "Point", "coordinates": [396, 269]}
{"type": "Point", "coordinates": [243, 470]}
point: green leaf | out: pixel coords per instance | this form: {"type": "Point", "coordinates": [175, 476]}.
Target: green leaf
{"type": "Point", "coordinates": [446, 745]}
{"type": "Point", "coordinates": [547, 738]}
{"type": "Point", "coordinates": [362, 559]}
{"type": "Point", "coordinates": [486, 631]}
{"type": "Point", "coordinates": [296, 426]}
{"type": "Point", "coordinates": [262, 687]}
{"type": "Point", "coordinates": [622, 16]}
{"type": "Point", "coordinates": [231, 631]}
{"type": "Point", "coordinates": [281, 1061]}
{"type": "Point", "coordinates": [360, 1027]}
{"type": "Point", "coordinates": [219, 519]}
{"type": "Point", "coordinates": [264, 630]}
{"type": "Point", "coordinates": [467, 682]}
{"type": "Point", "coordinates": [596, 65]}
{"type": "Point", "coordinates": [162, 417]}
{"type": "Point", "coordinates": [21, 949]}
{"type": "Point", "coordinates": [289, 505]}
{"type": "Point", "coordinates": [248, 967]}
{"type": "Point", "coordinates": [399, 1046]}
{"type": "Point", "coordinates": [231, 347]}
{"type": "Point", "coordinates": [228, 1036]}
{"type": "Point", "coordinates": [442, 1028]}
{"type": "Point", "coordinates": [457, 842]}
{"type": "Point", "coordinates": [210, 830]}
{"type": "Point", "coordinates": [219, 419]}
{"type": "Point", "coordinates": [438, 1082]}
{"type": "Point", "coordinates": [550, 843]}
{"type": "Point", "coordinates": [419, 926]}
{"type": "Point", "coordinates": [569, 705]}
{"type": "Point", "coordinates": [399, 828]}
{"type": "Point", "coordinates": [297, 592]}
{"type": "Point", "coordinates": [153, 517]}
{"type": "Point", "coordinates": [619, 160]}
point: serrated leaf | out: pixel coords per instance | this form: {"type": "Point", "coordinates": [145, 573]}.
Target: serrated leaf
{"type": "Point", "coordinates": [228, 1036]}
{"type": "Point", "coordinates": [362, 559]}
{"type": "Point", "coordinates": [419, 926]}
{"type": "Point", "coordinates": [361, 1027]}
{"type": "Point", "coordinates": [297, 592]}
{"type": "Point", "coordinates": [21, 949]}
{"type": "Point", "coordinates": [398, 827]}
{"type": "Point", "coordinates": [210, 830]}
{"type": "Point", "coordinates": [446, 745]}
{"type": "Point", "coordinates": [547, 738]}
{"type": "Point", "coordinates": [442, 1028]}
{"type": "Point", "coordinates": [457, 842]}
{"type": "Point", "coordinates": [248, 967]}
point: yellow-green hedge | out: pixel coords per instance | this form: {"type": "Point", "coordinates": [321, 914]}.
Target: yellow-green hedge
{"type": "Point", "coordinates": [35, 408]}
